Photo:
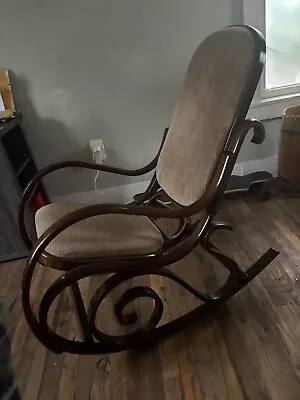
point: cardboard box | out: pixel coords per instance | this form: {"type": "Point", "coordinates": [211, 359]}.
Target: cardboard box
{"type": "Point", "coordinates": [7, 106]}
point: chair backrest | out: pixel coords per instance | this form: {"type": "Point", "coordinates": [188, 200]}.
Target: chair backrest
{"type": "Point", "coordinates": [217, 92]}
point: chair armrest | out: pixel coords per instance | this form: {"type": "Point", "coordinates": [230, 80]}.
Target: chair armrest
{"type": "Point", "coordinates": [235, 142]}
{"type": "Point", "coordinates": [31, 187]}
{"type": "Point", "coordinates": [98, 167]}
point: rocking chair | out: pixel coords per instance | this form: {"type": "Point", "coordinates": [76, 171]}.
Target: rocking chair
{"type": "Point", "coordinates": [191, 171]}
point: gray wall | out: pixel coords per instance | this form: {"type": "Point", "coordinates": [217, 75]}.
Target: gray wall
{"type": "Point", "coordinates": [105, 68]}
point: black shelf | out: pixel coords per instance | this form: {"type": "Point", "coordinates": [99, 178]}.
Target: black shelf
{"type": "Point", "coordinates": [28, 172]}
{"type": "Point", "coordinates": [16, 147]}
{"type": "Point", "coordinates": [23, 166]}
{"type": "Point", "coordinates": [18, 153]}
{"type": "Point", "coordinates": [17, 169]}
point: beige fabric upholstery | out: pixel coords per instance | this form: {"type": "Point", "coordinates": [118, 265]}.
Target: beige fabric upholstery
{"type": "Point", "coordinates": [204, 113]}
{"type": "Point", "coordinates": [98, 236]}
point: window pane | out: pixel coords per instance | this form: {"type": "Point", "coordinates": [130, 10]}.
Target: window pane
{"type": "Point", "coordinates": [283, 43]}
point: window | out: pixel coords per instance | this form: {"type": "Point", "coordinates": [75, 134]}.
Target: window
{"type": "Point", "coordinates": [279, 21]}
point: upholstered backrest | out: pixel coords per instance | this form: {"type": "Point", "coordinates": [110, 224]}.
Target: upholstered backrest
{"type": "Point", "coordinates": [215, 82]}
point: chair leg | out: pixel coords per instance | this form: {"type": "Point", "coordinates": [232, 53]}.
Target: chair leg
{"type": "Point", "coordinates": [237, 277]}
{"type": "Point", "coordinates": [80, 312]}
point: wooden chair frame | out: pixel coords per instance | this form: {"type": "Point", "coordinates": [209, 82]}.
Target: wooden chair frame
{"type": "Point", "coordinates": [191, 232]}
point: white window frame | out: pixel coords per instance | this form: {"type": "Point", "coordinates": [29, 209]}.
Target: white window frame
{"type": "Point", "coordinates": [267, 104]}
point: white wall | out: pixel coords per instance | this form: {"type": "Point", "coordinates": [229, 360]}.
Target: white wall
{"type": "Point", "coordinates": [104, 68]}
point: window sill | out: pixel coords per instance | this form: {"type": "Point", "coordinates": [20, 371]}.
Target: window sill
{"type": "Point", "coordinates": [272, 107]}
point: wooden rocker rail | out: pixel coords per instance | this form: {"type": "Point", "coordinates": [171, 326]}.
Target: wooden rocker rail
{"type": "Point", "coordinates": [95, 341]}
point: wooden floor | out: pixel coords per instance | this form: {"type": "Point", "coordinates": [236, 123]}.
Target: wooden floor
{"type": "Point", "coordinates": [248, 349]}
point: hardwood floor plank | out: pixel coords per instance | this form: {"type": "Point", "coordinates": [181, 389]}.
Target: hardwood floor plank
{"type": "Point", "coordinates": [144, 375]}
{"type": "Point", "coordinates": [212, 361]}
{"type": "Point", "coordinates": [170, 370]}
{"type": "Point", "coordinates": [85, 373]}
{"type": "Point", "coordinates": [188, 373]}
{"type": "Point", "coordinates": [68, 376]}
{"type": "Point", "coordinates": [35, 377]}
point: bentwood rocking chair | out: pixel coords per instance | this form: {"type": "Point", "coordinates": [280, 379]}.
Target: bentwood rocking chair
{"type": "Point", "coordinates": [191, 171]}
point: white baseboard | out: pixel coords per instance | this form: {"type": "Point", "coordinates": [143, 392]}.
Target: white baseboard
{"type": "Point", "coordinates": [265, 164]}
{"type": "Point", "coordinates": [124, 193]}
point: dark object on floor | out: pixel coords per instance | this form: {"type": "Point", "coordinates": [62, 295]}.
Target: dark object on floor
{"type": "Point", "coordinates": [103, 365]}
{"type": "Point", "coordinates": [250, 183]}
{"type": "Point", "coordinates": [192, 169]}
{"type": "Point", "coordinates": [277, 187]}
{"type": "Point", "coordinates": [8, 386]}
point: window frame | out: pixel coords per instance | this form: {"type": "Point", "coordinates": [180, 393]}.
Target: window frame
{"type": "Point", "coordinates": [267, 103]}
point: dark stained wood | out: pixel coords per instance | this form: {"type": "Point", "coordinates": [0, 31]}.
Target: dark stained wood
{"type": "Point", "coordinates": [288, 157]}
{"type": "Point", "coordinates": [196, 226]}
{"type": "Point", "coordinates": [248, 349]}
{"type": "Point", "coordinates": [11, 245]}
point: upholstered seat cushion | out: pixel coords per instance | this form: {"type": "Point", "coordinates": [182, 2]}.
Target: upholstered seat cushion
{"type": "Point", "coordinates": [104, 235]}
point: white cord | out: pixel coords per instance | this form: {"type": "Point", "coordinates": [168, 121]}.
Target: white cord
{"type": "Point", "coordinates": [98, 172]}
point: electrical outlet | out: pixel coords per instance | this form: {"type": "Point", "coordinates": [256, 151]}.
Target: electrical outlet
{"type": "Point", "coordinates": [97, 148]}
